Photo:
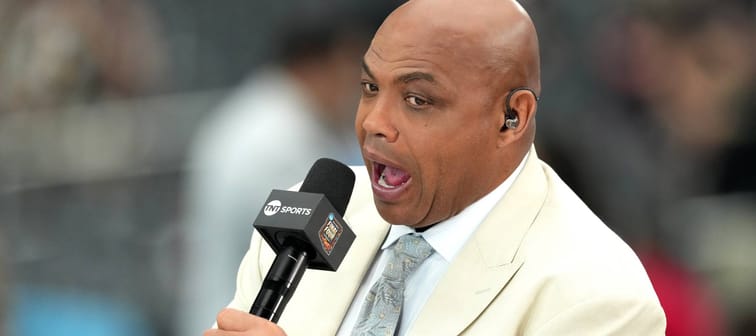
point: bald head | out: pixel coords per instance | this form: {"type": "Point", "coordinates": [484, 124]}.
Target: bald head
{"type": "Point", "coordinates": [496, 37]}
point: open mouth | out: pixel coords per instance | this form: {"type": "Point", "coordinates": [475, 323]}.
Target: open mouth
{"type": "Point", "coordinates": [389, 177]}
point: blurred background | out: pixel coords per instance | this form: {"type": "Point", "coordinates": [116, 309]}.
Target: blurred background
{"type": "Point", "coordinates": [138, 139]}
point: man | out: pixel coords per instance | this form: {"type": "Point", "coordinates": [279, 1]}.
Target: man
{"type": "Point", "coordinates": [446, 126]}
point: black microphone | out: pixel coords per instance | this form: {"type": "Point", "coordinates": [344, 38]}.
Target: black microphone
{"type": "Point", "coordinates": [305, 229]}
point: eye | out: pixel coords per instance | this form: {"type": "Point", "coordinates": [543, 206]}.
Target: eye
{"type": "Point", "coordinates": [416, 101]}
{"type": "Point", "coordinates": [369, 88]}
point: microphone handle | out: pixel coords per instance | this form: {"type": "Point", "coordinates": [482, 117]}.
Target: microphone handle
{"type": "Point", "coordinates": [280, 282]}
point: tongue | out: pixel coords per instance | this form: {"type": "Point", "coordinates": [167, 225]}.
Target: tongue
{"type": "Point", "coordinates": [395, 176]}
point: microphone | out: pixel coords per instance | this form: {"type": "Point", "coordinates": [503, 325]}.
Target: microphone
{"type": "Point", "coordinates": [305, 229]}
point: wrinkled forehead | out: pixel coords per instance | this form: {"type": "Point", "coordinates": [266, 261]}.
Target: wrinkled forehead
{"type": "Point", "coordinates": [455, 48]}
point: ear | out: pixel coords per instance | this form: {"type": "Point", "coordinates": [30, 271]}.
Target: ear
{"type": "Point", "coordinates": [522, 105]}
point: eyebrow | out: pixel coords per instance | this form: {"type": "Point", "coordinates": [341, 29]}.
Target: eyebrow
{"type": "Point", "coordinates": [417, 75]}
{"type": "Point", "coordinates": [405, 78]}
{"type": "Point", "coordinates": [367, 69]}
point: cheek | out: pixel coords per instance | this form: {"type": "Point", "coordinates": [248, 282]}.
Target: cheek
{"type": "Point", "coordinates": [433, 160]}
{"type": "Point", "coordinates": [358, 120]}
{"type": "Point", "coordinates": [461, 155]}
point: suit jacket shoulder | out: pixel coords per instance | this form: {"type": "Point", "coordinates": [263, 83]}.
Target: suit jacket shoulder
{"type": "Point", "coordinates": [587, 280]}
{"type": "Point", "coordinates": [543, 264]}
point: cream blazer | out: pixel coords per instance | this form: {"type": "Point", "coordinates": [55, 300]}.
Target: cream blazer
{"type": "Point", "coordinates": [541, 263]}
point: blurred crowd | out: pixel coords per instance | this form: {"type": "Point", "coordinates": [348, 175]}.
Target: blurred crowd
{"type": "Point", "coordinates": [138, 140]}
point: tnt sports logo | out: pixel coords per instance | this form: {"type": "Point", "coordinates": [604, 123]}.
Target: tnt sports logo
{"type": "Point", "coordinates": [273, 207]}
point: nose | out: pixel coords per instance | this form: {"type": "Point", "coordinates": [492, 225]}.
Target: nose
{"type": "Point", "coordinates": [378, 119]}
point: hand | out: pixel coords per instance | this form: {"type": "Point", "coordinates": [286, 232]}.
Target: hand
{"type": "Point", "coordinates": [237, 323]}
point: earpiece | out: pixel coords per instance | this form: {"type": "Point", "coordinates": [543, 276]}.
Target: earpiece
{"type": "Point", "coordinates": [512, 120]}
{"type": "Point", "coordinates": [512, 123]}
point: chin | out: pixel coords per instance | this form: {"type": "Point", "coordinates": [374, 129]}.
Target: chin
{"type": "Point", "coordinates": [394, 214]}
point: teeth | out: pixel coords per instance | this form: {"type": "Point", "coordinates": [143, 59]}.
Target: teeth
{"type": "Point", "coordinates": [382, 182]}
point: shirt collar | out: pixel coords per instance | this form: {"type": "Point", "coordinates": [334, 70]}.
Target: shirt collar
{"type": "Point", "coordinates": [448, 237]}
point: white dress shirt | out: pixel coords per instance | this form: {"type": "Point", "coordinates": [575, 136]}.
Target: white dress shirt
{"type": "Point", "coordinates": [446, 238]}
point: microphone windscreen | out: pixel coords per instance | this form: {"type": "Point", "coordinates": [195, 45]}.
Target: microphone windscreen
{"type": "Point", "coordinates": [333, 179]}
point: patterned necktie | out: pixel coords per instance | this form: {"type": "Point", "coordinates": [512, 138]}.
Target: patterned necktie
{"type": "Point", "coordinates": [382, 309]}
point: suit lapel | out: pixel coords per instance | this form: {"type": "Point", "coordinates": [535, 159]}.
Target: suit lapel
{"type": "Point", "coordinates": [487, 262]}
{"type": "Point", "coordinates": [323, 298]}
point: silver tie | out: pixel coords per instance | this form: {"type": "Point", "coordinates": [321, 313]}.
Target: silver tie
{"type": "Point", "coordinates": [382, 309]}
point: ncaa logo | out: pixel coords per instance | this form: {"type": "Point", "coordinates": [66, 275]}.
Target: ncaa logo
{"type": "Point", "coordinates": [272, 208]}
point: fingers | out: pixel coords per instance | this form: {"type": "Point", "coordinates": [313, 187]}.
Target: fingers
{"type": "Point", "coordinates": [232, 322]}
{"type": "Point", "coordinates": [235, 320]}
{"type": "Point", "coordinates": [216, 332]}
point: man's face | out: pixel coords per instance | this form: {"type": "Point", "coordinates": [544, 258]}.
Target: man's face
{"type": "Point", "coordinates": [427, 123]}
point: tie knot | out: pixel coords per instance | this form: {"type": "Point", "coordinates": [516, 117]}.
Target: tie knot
{"type": "Point", "coordinates": [412, 249]}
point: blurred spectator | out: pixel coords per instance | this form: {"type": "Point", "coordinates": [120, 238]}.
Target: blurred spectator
{"type": "Point", "coordinates": [673, 103]}
{"type": "Point", "coordinates": [265, 136]}
{"type": "Point", "coordinates": [63, 52]}
{"type": "Point", "coordinates": [68, 255]}
{"type": "Point", "coordinates": [665, 151]}
{"type": "Point", "coordinates": [689, 304]}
